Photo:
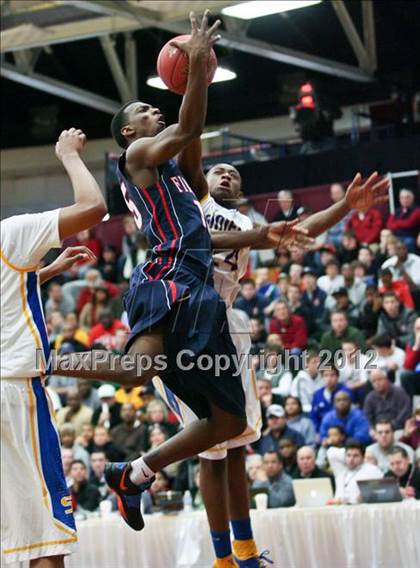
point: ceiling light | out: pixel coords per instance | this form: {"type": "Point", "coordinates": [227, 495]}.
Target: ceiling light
{"type": "Point", "coordinates": [256, 9]}
{"type": "Point", "coordinates": [222, 74]}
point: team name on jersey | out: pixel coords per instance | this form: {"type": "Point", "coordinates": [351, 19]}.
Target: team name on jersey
{"type": "Point", "coordinates": [220, 223]}
{"type": "Point", "coordinates": [181, 184]}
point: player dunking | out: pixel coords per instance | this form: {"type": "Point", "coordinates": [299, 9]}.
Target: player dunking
{"type": "Point", "coordinates": [36, 511]}
{"type": "Point", "coordinates": [223, 481]}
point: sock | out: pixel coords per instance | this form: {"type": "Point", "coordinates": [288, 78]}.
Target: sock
{"type": "Point", "coordinates": [140, 472]}
{"type": "Point", "coordinates": [242, 529]}
{"type": "Point", "coordinates": [244, 545]}
{"type": "Point", "coordinates": [221, 543]}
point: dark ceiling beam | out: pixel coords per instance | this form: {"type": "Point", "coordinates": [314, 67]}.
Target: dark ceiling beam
{"type": "Point", "coordinates": [59, 88]}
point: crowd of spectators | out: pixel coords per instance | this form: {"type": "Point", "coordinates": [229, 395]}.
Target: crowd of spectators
{"type": "Point", "coordinates": [335, 336]}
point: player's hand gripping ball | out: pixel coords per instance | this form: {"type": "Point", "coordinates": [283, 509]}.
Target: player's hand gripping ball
{"type": "Point", "coordinates": [172, 66]}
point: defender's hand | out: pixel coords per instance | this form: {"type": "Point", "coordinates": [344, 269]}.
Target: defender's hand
{"type": "Point", "coordinates": [362, 196]}
{"type": "Point", "coordinates": [70, 142]}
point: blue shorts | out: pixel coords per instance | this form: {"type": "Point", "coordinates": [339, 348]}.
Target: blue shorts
{"type": "Point", "coordinates": [194, 319]}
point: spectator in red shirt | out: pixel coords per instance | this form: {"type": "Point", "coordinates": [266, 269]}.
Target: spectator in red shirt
{"type": "Point", "coordinates": [399, 287]}
{"type": "Point", "coordinates": [290, 327]}
{"type": "Point", "coordinates": [366, 225]}
{"type": "Point", "coordinates": [405, 222]}
{"type": "Point", "coordinates": [84, 238]}
{"type": "Point", "coordinates": [105, 331]}
{"type": "Point", "coordinates": [93, 279]}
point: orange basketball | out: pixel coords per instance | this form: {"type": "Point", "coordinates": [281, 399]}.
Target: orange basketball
{"type": "Point", "coordinates": [172, 66]}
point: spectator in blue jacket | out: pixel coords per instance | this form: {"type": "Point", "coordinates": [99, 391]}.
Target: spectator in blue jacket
{"type": "Point", "coordinates": [323, 399]}
{"type": "Point", "coordinates": [250, 302]}
{"type": "Point", "coordinates": [276, 431]}
{"type": "Point", "coordinates": [352, 420]}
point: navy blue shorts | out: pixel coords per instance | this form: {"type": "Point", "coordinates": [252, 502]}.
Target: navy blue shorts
{"type": "Point", "coordinates": [194, 319]}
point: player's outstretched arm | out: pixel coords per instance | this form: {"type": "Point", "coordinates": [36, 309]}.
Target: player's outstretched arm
{"type": "Point", "coordinates": [89, 207]}
{"type": "Point", "coordinates": [190, 164]}
{"type": "Point", "coordinates": [359, 196]}
{"type": "Point", "coordinates": [64, 262]}
{"type": "Point", "coordinates": [153, 151]}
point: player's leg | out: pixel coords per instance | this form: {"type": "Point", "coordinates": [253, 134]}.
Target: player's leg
{"type": "Point", "coordinates": [48, 562]}
{"type": "Point", "coordinates": [214, 489]}
{"type": "Point", "coordinates": [244, 547]}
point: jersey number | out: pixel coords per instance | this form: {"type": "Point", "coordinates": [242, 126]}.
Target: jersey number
{"type": "Point", "coordinates": [232, 260]}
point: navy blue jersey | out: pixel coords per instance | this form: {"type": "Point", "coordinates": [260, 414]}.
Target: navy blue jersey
{"type": "Point", "coordinates": [170, 216]}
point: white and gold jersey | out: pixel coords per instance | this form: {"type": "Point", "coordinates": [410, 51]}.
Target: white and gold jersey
{"type": "Point", "coordinates": [25, 240]}
{"type": "Point", "coordinates": [229, 266]}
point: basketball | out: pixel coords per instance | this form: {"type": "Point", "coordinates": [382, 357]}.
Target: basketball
{"type": "Point", "coordinates": [172, 66]}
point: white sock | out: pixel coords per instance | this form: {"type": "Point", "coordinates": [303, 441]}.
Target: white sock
{"type": "Point", "coordinates": [141, 472]}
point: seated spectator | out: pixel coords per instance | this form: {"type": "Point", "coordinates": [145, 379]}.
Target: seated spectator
{"type": "Point", "coordinates": [74, 413]}
{"type": "Point", "coordinates": [366, 225]}
{"type": "Point", "coordinates": [308, 381]}
{"type": "Point", "coordinates": [335, 233]}
{"type": "Point", "coordinates": [107, 264]}
{"type": "Point", "coordinates": [353, 370]}
{"type": "Point", "coordinates": [55, 322]}
{"type": "Point", "coordinates": [404, 265]}
{"type": "Point", "coordinates": [410, 375]}
{"type": "Point", "coordinates": [97, 475]}
{"type": "Point", "coordinates": [266, 397]}
{"type": "Point", "coordinates": [342, 303]}
{"type": "Point", "coordinates": [367, 258]}
{"type": "Point", "coordinates": [388, 356]}
{"type": "Point", "coordinates": [411, 435]}
{"type": "Point", "coordinates": [407, 473]}
{"type": "Point", "coordinates": [67, 458]}
{"type": "Point", "coordinates": [294, 299]}
{"type": "Point", "coordinates": [395, 320]}
{"type": "Point", "coordinates": [323, 399]}
{"type": "Point", "coordinates": [109, 413]}
{"type": "Point", "coordinates": [102, 443]}
{"type": "Point", "coordinates": [279, 484]}
{"type": "Point", "coordinates": [348, 249]}
{"type": "Point", "coordinates": [336, 438]}
{"type": "Point", "coordinates": [352, 420]}
{"type": "Point", "coordinates": [385, 444]}
{"type": "Point", "coordinates": [405, 222]}
{"type": "Point", "coordinates": [86, 437]}
{"type": "Point", "coordinates": [258, 335]}
{"type": "Point", "coordinates": [288, 451]}
{"type": "Point", "coordinates": [400, 288]}
{"type": "Point", "coordinates": [313, 298]}
{"type": "Point", "coordinates": [156, 436]}
{"type": "Point", "coordinates": [68, 440]}
{"type": "Point", "coordinates": [56, 301]}
{"type": "Point", "coordinates": [87, 239]}
{"type": "Point", "coordinates": [332, 280]}
{"type": "Point", "coordinates": [83, 289]}
{"type": "Point", "coordinates": [157, 413]}
{"type": "Point", "coordinates": [274, 370]}
{"type": "Point", "coordinates": [356, 288]}
{"type": "Point", "coordinates": [371, 311]}
{"type": "Point", "coordinates": [307, 468]}
{"type": "Point", "coordinates": [105, 331]}
{"type": "Point", "coordinates": [348, 468]}
{"type": "Point", "coordinates": [277, 429]}
{"type": "Point", "coordinates": [88, 394]}
{"type": "Point", "coordinates": [254, 468]}
{"type": "Point", "coordinates": [266, 289]}
{"type": "Point", "coordinates": [299, 422]}
{"type": "Point", "coordinates": [71, 336]}
{"type": "Point", "coordinates": [295, 274]}
{"type": "Point", "coordinates": [386, 401]}
{"type": "Point", "coordinates": [291, 328]}
{"type": "Point", "coordinates": [250, 302]}
{"type": "Point", "coordinates": [100, 302]}
{"type": "Point", "coordinates": [129, 436]}
{"type": "Point", "coordinates": [287, 208]}
{"type": "Point", "coordinates": [162, 483]}
{"type": "Point", "coordinates": [340, 332]}
{"type": "Point", "coordinates": [84, 495]}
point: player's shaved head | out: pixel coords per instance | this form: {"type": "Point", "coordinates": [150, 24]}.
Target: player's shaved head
{"type": "Point", "coordinates": [224, 183]}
